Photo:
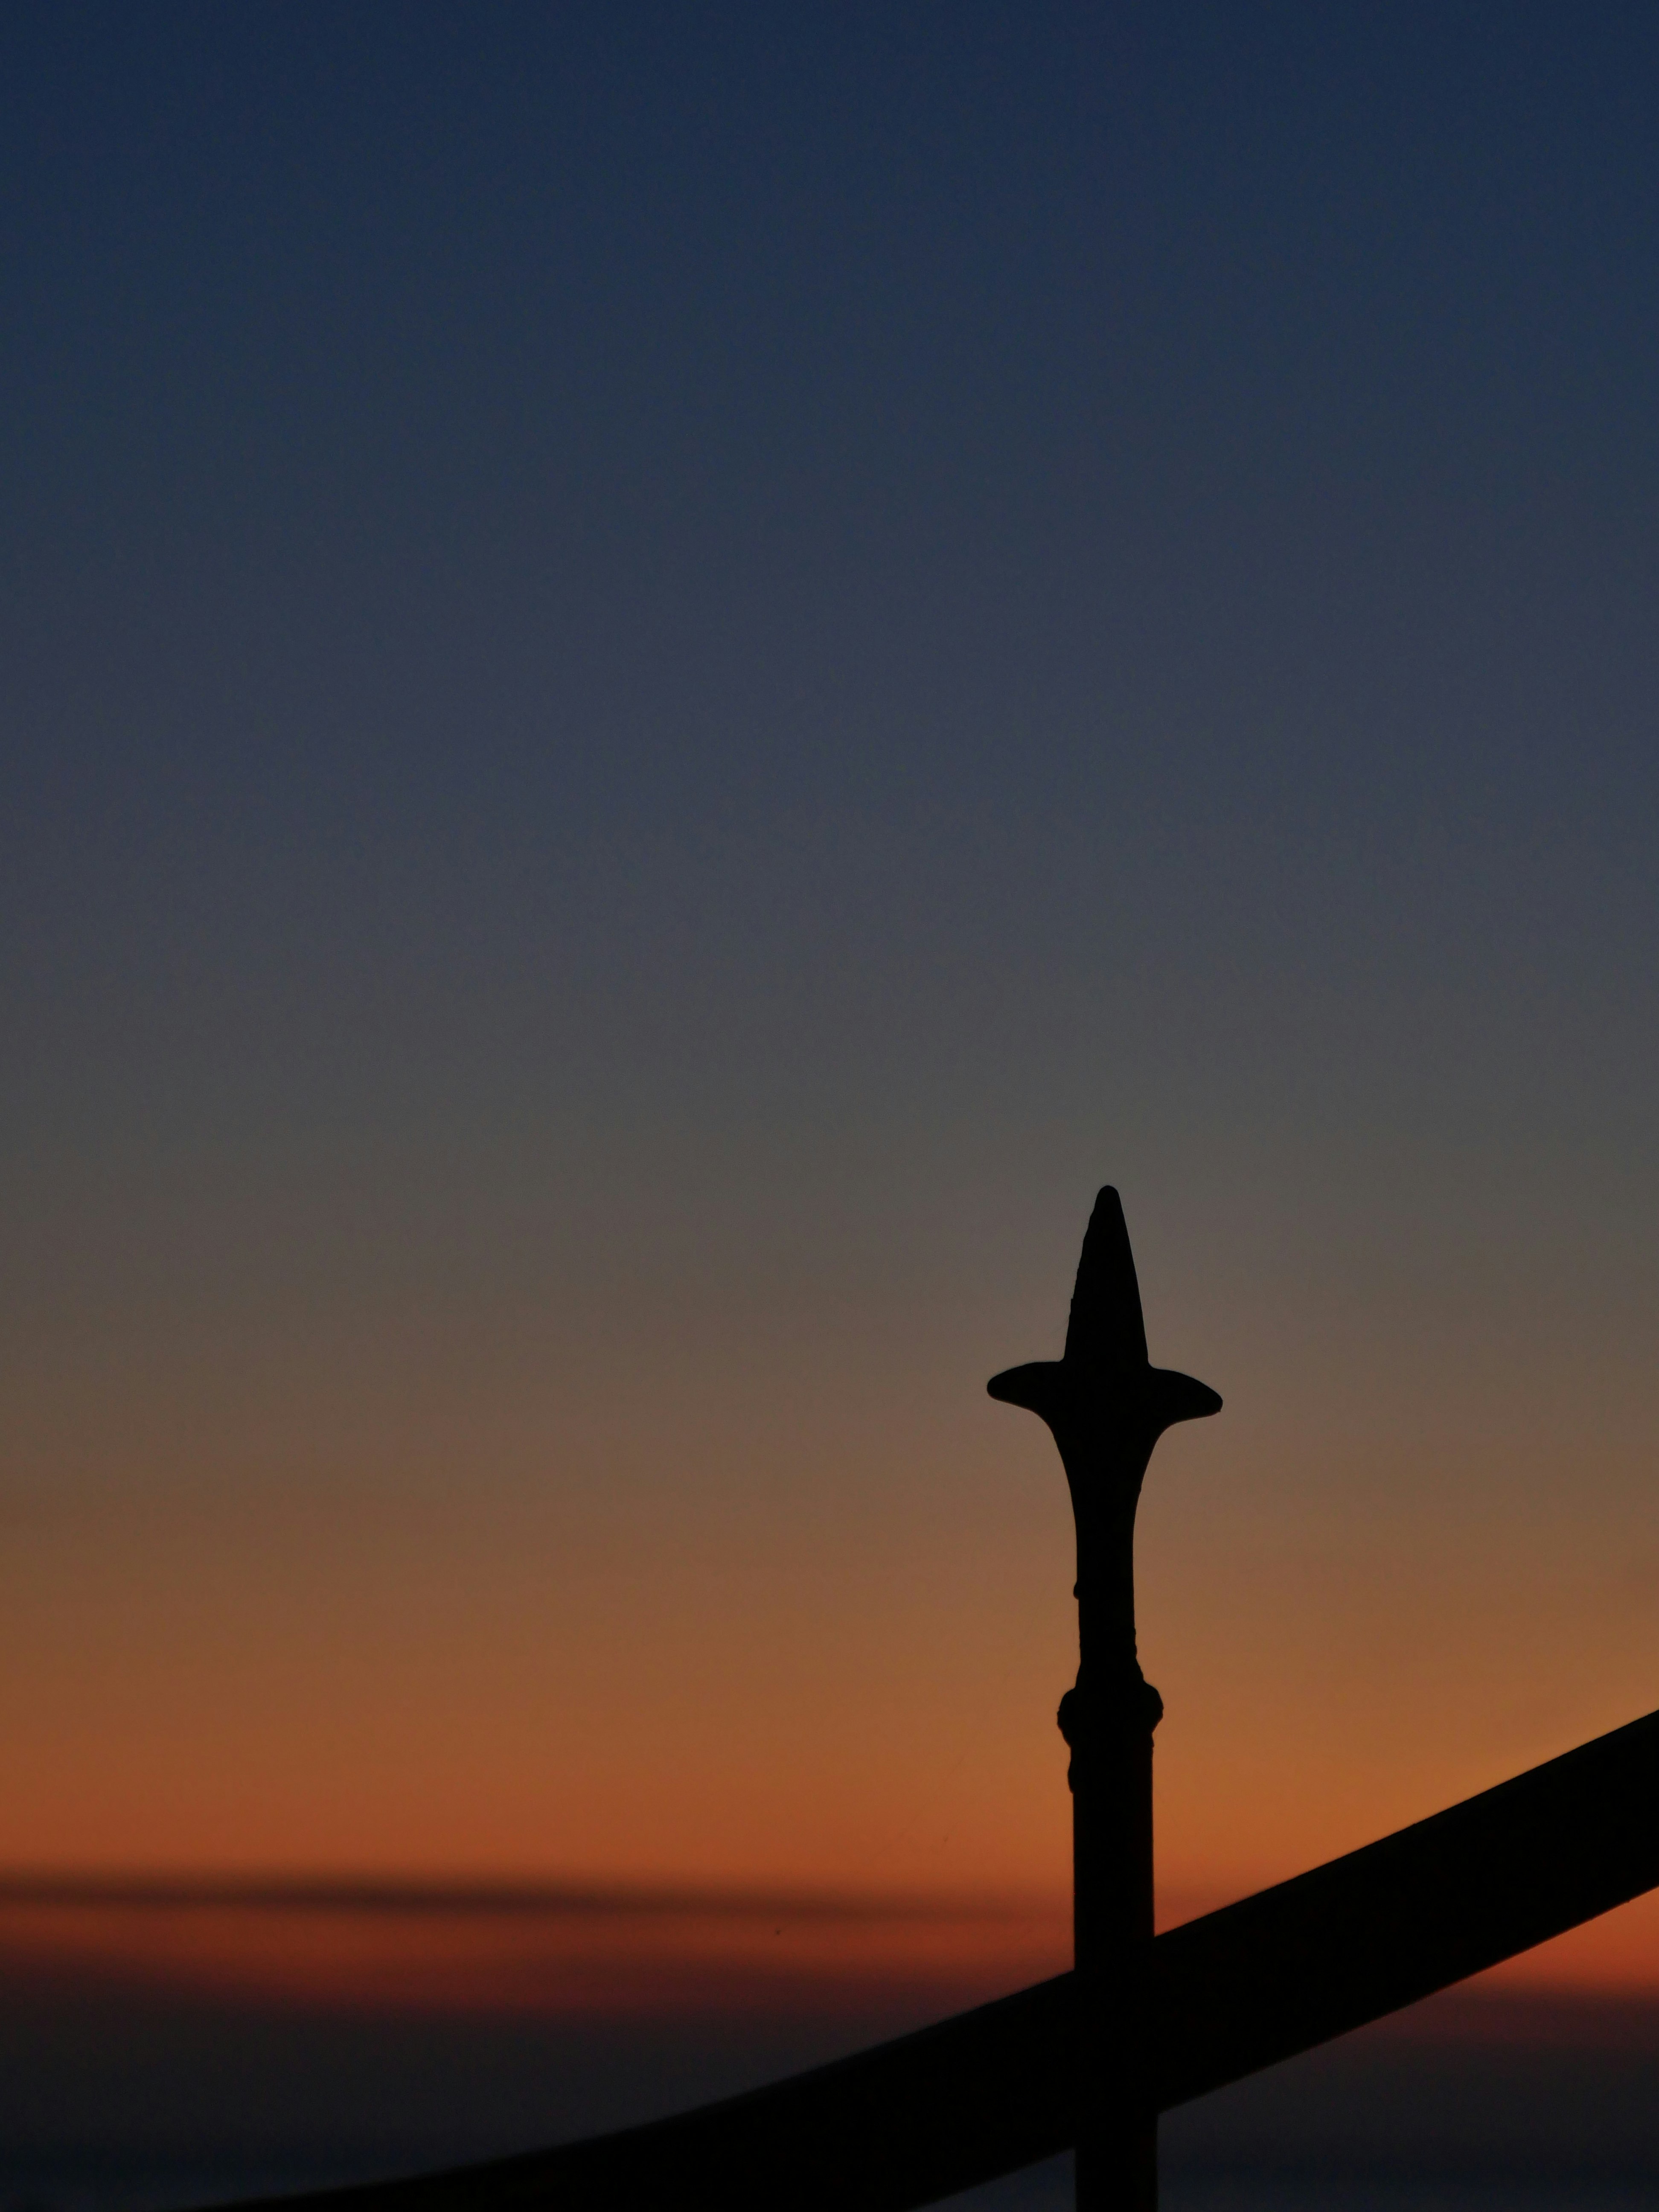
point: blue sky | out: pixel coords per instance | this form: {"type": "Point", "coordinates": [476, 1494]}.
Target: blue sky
{"type": "Point", "coordinates": [671, 675]}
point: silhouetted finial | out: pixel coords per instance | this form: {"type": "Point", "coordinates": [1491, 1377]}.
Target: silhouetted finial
{"type": "Point", "coordinates": [1104, 1392]}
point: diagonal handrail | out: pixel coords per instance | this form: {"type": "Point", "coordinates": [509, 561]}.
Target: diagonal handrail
{"type": "Point", "coordinates": [979, 2095]}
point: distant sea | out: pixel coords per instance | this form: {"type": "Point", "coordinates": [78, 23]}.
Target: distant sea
{"type": "Point", "coordinates": [128, 2093]}
{"type": "Point", "coordinates": [73, 2185]}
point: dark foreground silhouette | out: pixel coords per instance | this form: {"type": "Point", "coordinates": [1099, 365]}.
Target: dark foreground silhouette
{"type": "Point", "coordinates": [1091, 2058]}
{"type": "Point", "coordinates": [994, 2089]}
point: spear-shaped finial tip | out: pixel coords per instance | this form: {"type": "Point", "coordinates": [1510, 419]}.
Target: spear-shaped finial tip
{"type": "Point", "coordinates": [1105, 1343]}
{"type": "Point", "coordinates": [1106, 1329]}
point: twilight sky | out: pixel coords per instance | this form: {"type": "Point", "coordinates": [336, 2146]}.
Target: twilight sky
{"type": "Point", "coordinates": [670, 674]}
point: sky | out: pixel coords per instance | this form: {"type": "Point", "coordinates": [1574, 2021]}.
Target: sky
{"type": "Point", "coordinates": [671, 675]}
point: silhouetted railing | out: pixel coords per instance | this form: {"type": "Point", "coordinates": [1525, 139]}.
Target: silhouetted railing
{"type": "Point", "coordinates": [995, 2089]}
{"type": "Point", "coordinates": [1092, 2058]}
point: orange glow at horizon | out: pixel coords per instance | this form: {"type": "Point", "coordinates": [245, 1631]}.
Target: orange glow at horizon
{"type": "Point", "coordinates": [614, 1961]}
{"type": "Point", "coordinates": [399, 1599]}
{"type": "Point", "coordinates": [649, 1957]}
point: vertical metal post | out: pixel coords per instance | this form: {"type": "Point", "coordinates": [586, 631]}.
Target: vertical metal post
{"type": "Point", "coordinates": [1107, 1406]}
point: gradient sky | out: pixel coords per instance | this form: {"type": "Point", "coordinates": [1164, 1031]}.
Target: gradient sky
{"type": "Point", "coordinates": [670, 674]}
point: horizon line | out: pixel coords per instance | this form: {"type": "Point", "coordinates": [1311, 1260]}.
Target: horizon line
{"type": "Point", "coordinates": [503, 1897]}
